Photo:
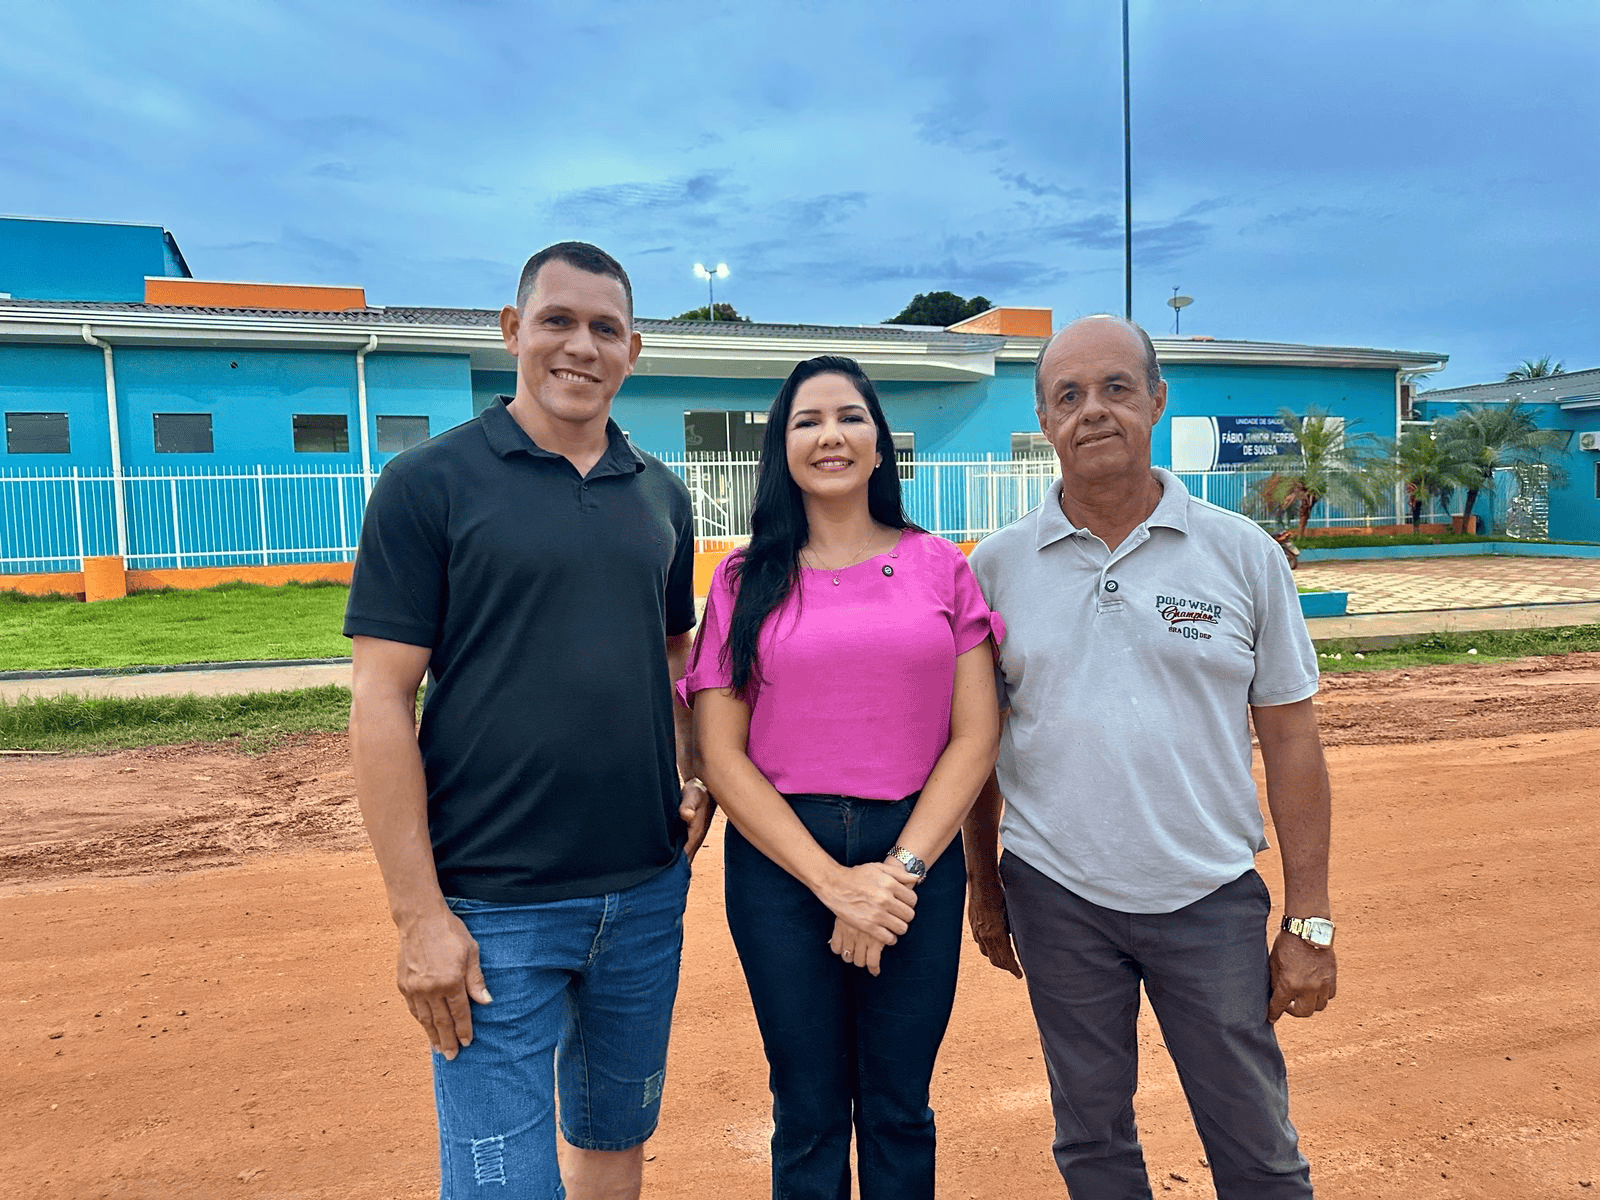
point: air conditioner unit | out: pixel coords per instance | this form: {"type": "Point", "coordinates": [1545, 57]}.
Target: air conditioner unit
{"type": "Point", "coordinates": [1589, 441]}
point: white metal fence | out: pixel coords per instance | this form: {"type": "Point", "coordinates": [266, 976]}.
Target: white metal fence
{"type": "Point", "coordinates": [959, 497]}
{"type": "Point", "coordinates": [967, 497]}
{"type": "Point", "coordinates": [52, 520]}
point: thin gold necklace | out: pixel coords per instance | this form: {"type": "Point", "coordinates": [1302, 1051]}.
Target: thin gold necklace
{"type": "Point", "coordinates": [812, 562]}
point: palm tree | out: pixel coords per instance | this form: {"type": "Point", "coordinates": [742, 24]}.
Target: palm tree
{"type": "Point", "coordinates": [1541, 368]}
{"type": "Point", "coordinates": [1328, 462]}
{"type": "Point", "coordinates": [1486, 437]}
{"type": "Point", "coordinates": [1424, 465]}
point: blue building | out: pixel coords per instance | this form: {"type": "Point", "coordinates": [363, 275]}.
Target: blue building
{"type": "Point", "coordinates": [83, 260]}
{"type": "Point", "coordinates": [1567, 403]}
{"type": "Point", "coordinates": [116, 364]}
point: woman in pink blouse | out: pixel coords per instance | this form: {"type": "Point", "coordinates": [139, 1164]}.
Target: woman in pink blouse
{"type": "Point", "coordinates": [844, 701]}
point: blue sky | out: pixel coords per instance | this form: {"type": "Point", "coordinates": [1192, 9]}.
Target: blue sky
{"type": "Point", "coordinates": [1420, 176]}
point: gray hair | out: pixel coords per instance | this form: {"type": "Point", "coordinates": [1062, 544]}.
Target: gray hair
{"type": "Point", "coordinates": [1152, 368]}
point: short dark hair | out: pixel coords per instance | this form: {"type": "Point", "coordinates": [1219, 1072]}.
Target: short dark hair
{"type": "Point", "coordinates": [1152, 368]}
{"type": "Point", "coordinates": [580, 255]}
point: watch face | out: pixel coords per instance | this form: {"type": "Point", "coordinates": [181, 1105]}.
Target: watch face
{"type": "Point", "coordinates": [1318, 931]}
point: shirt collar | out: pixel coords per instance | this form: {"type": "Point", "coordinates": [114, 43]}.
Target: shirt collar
{"type": "Point", "coordinates": [506, 438]}
{"type": "Point", "coordinates": [1171, 511]}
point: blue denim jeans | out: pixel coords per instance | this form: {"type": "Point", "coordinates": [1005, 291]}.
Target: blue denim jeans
{"type": "Point", "coordinates": [1204, 968]}
{"type": "Point", "coordinates": [583, 992]}
{"type": "Point", "coordinates": [844, 1047]}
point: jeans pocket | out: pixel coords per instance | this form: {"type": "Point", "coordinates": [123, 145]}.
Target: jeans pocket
{"type": "Point", "coordinates": [462, 905]}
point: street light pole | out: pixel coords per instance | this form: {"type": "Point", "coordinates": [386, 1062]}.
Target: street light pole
{"type": "Point", "coordinates": [709, 274]}
{"type": "Point", "coordinates": [1127, 176]}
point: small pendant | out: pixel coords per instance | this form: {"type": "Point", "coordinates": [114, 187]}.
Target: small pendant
{"type": "Point", "coordinates": [835, 581]}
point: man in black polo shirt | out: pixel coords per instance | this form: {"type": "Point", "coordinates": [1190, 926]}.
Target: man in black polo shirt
{"type": "Point", "coordinates": [539, 570]}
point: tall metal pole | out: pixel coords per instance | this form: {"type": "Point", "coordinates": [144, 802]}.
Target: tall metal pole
{"type": "Point", "coordinates": [1127, 175]}
{"type": "Point", "coordinates": [711, 296]}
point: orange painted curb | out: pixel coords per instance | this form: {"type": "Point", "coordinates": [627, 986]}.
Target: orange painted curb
{"type": "Point", "coordinates": [104, 578]}
{"type": "Point", "coordinates": [194, 578]}
{"type": "Point", "coordinates": [60, 583]}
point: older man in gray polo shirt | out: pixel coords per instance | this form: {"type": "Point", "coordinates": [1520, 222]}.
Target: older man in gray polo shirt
{"type": "Point", "coordinates": [1145, 630]}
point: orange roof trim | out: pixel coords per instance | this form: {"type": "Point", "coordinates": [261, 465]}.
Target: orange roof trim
{"type": "Point", "coordinates": [1009, 322]}
{"type": "Point", "coordinates": [296, 297]}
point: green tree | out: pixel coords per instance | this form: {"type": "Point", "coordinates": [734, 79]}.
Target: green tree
{"type": "Point", "coordinates": [725, 312]}
{"type": "Point", "coordinates": [1541, 368]}
{"type": "Point", "coordinates": [1485, 437]}
{"type": "Point", "coordinates": [939, 308]}
{"type": "Point", "coordinates": [1328, 463]}
{"type": "Point", "coordinates": [1426, 468]}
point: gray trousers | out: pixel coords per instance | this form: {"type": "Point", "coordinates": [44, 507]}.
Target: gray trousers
{"type": "Point", "coordinates": [1205, 970]}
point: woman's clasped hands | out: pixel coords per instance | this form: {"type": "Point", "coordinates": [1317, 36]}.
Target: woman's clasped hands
{"type": "Point", "coordinates": [872, 905]}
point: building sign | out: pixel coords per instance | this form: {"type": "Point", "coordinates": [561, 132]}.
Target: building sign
{"type": "Point", "coordinates": [1206, 443]}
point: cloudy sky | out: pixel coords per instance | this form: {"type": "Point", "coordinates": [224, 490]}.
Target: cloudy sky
{"type": "Point", "coordinates": [1419, 175]}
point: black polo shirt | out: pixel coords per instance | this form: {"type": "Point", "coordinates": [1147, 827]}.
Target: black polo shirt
{"type": "Point", "coordinates": [546, 599]}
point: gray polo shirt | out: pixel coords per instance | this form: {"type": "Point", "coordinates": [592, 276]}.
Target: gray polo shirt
{"type": "Point", "coordinates": [1126, 760]}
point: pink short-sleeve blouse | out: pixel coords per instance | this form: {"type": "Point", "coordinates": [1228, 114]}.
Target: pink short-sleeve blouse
{"type": "Point", "coordinates": [855, 679]}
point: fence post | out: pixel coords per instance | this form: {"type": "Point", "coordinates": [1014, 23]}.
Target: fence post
{"type": "Point", "coordinates": [344, 535]}
{"type": "Point", "coordinates": [177, 527]}
{"type": "Point", "coordinates": [261, 511]}
{"type": "Point", "coordinates": [77, 514]}
{"type": "Point", "coordinates": [992, 517]}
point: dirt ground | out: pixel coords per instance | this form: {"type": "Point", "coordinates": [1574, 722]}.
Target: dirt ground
{"type": "Point", "coordinates": [196, 996]}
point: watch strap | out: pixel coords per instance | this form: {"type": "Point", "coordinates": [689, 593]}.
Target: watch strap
{"type": "Point", "coordinates": [1305, 928]}
{"type": "Point", "coordinates": [912, 864]}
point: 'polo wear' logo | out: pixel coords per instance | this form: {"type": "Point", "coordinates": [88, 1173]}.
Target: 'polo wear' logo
{"type": "Point", "coordinates": [1184, 616]}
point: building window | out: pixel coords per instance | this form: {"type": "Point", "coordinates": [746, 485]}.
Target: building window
{"type": "Point", "coordinates": [401, 433]}
{"type": "Point", "coordinates": [1031, 445]}
{"type": "Point", "coordinates": [37, 433]}
{"type": "Point", "coordinates": [182, 433]}
{"type": "Point", "coordinates": [721, 433]}
{"type": "Point", "coordinates": [321, 433]}
{"type": "Point", "coordinates": [905, 454]}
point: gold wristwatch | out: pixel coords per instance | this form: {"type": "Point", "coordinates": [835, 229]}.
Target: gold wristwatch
{"type": "Point", "coordinates": [1318, 931]}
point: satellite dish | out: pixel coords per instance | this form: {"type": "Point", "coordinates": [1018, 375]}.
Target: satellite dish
{"type": "Point", "coordinates": [1180, 301]}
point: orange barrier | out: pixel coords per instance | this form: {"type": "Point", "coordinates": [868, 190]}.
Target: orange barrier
{"type": "Point", "coordinates": [104, 579]}
{"type": "Point", "coordinates": [111, 581]}
{"type": "Point", "coordinates": [1387, 530]}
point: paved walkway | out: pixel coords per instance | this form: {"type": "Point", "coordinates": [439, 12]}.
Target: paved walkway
{"type": "Point", "coordinates": [1419, 585]}
{"type": "Point", "coordinates": [1390, 599]}
{"type": "Point", "coordinates": [229, 681]}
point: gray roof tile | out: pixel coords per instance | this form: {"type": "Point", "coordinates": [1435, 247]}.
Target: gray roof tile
{"type": "Point", "coordinates": [489, 317]}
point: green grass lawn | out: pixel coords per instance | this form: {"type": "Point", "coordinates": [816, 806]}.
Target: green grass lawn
{"type": "Point", "coordinates": [234, 622]}
{"type": "Point", "coordinates": [245, 622]}
{"type": "Point", "coordinates": [250, 723]}
{"type": "Point", "coordinates": [1433, 648]}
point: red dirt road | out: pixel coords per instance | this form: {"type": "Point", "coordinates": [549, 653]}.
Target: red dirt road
{"type": "Point", "coordinates": [197, 994]}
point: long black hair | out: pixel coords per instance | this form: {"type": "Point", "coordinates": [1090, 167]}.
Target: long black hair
{"type": "Point", "coordinates": [767, 570]}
